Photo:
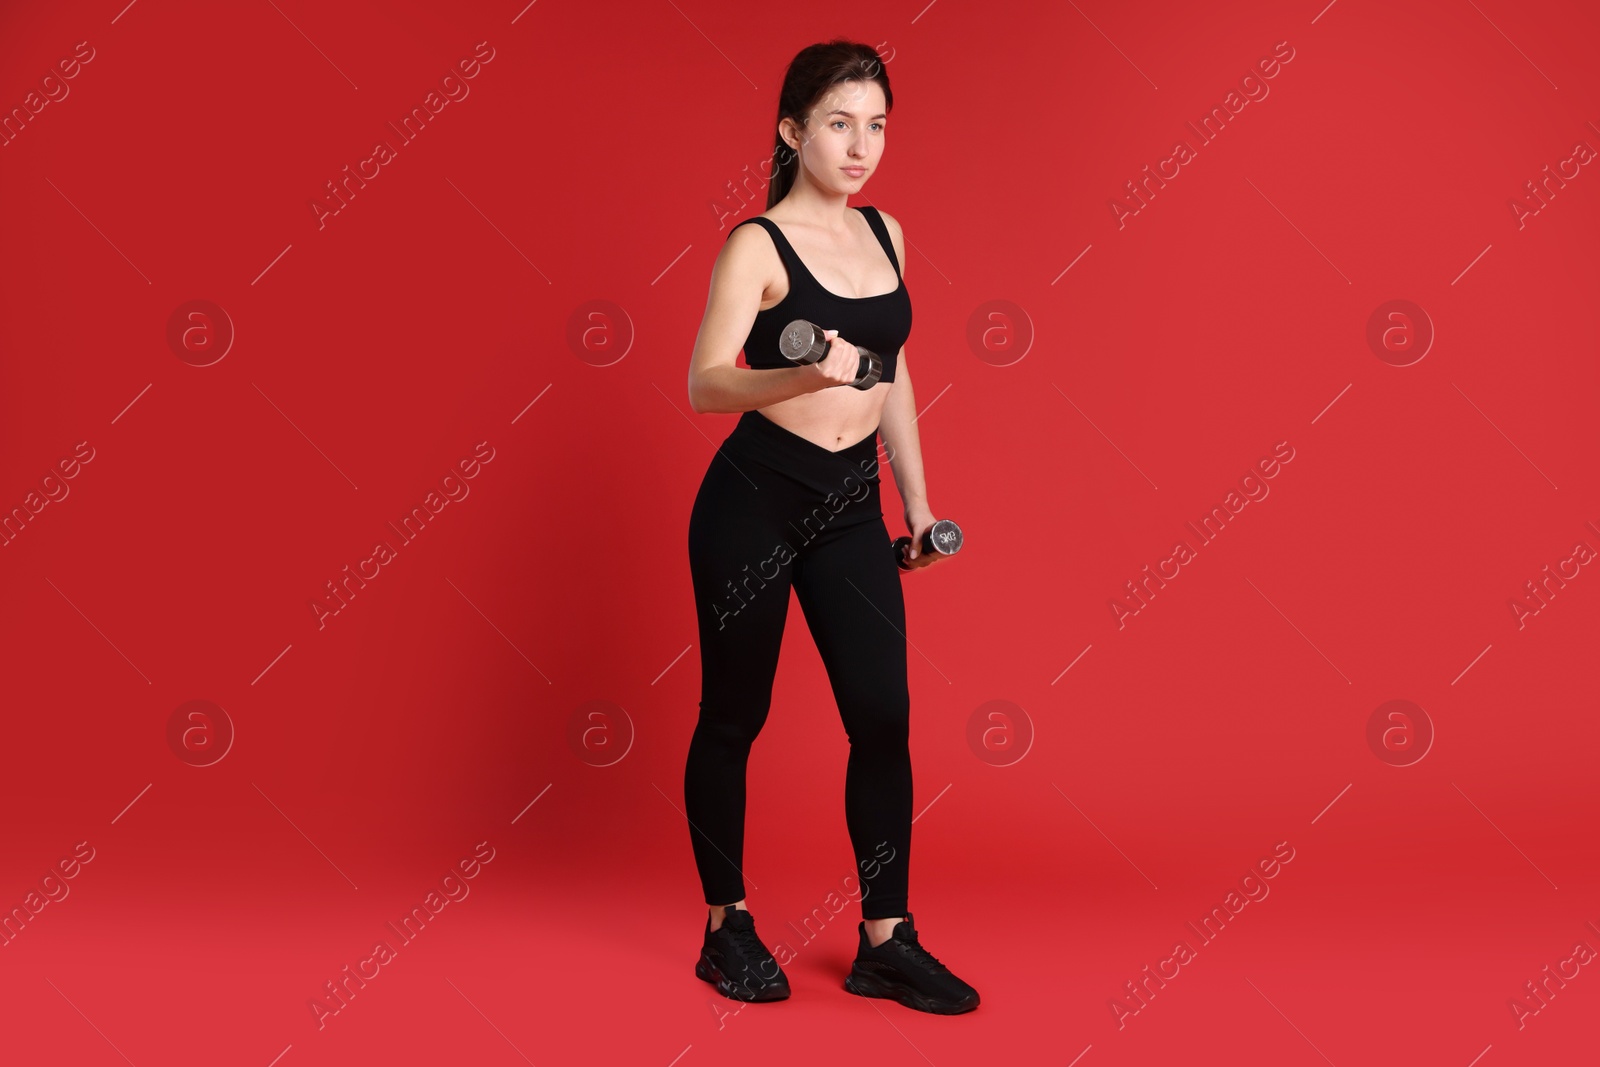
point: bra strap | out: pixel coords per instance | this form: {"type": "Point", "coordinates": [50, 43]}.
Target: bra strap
{"type": "Point", "coordinates": [881, 231]}
{"type": "Point", "coordinates": [786, 252]}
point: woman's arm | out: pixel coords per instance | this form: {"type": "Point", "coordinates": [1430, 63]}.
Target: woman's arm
{"type": "Point", "coordinates": [716, 382]}
{"type": "Point", "coordinates": [898, 427]}
{"type": "Point", "coordinates": [728, 388]}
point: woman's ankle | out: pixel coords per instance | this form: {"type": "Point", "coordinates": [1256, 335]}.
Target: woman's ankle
{"type": "Point", "coordinates": [719, 910]}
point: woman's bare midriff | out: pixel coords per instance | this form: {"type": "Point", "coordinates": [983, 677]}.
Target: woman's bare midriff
{"type": "Point", "coordinates": [833, 418]}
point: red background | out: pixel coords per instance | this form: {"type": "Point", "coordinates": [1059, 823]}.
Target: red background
{"type": "Point", "coordinates": [601, 155]}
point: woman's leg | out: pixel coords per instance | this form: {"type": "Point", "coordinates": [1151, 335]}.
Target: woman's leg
{"type": "Point", "coordinates": [849, 587]}
{"type": "Point", "coordinates": [741, 566]}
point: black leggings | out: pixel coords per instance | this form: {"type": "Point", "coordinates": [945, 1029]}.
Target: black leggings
{"type": "Point", "coordinates": [776, 510]}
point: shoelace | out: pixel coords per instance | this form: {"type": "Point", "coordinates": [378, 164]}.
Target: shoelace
{"type": "Point", "coordinates": [749, 944]}
{"type": "Point", "coordinates": [916, 951]}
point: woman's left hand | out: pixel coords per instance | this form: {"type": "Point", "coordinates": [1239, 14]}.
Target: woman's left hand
{"type": "Point", "coordinates": [918, 520]}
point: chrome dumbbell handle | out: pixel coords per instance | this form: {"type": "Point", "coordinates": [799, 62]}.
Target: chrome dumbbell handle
{"type": "Point", "coordinates": [803, 342]}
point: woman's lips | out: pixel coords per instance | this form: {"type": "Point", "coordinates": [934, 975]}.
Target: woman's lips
{"type": "Point", "coordinates": [854, 172]}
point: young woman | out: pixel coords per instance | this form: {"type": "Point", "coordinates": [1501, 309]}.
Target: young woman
{"type": "Point", "coordinates": [791, 500]}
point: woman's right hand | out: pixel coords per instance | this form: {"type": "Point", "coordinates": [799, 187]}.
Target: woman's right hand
{"type": "Point", "coordinates": [842, 363]}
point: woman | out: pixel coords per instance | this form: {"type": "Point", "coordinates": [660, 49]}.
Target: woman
{"type": "Point", "coordinates": [791, 499]}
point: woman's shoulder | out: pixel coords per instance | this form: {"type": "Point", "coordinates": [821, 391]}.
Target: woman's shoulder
{"type": "Point", "coordinates": [740, 225]}
{"type": "Point", "coordinates": [749, 254]}
{"type": "Point", "coordinates": [746, 243]}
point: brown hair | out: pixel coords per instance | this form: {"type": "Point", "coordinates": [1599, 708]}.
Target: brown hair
{"type": "Point", "coordinates": [812, 72]}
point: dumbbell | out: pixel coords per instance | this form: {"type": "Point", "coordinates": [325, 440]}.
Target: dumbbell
{"type": "Point", "coordinates": [803, 342]}
{"type": "Point", "coordinates": [943, 537]}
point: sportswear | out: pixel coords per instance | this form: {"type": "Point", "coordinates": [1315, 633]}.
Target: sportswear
{"type": "Point", "coordinates": [735, 961]}
{"type": "Point", "coordinates": [779, 517]}
{"type": "Point", "coordinates": [901, 969]}
{"type": "Point", "coordinates": [879, 323]}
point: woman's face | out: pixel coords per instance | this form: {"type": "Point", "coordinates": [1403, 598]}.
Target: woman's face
{"type": "Point", "coordinates": [843, 140]}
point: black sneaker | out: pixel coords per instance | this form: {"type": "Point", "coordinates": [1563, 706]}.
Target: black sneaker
{"type": "Point", "coordinates": [737, 963]}
{"type": "Point", "coordinates": [901, 969]}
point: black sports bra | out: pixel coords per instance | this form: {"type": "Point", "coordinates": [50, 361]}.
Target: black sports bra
{"type": "Point", "coordinates": [878, 323]}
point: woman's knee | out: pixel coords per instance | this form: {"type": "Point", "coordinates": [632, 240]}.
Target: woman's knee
{"type": "Point", "coordinates": [735, 725]}
{"type": "Point", "coordinates": [881, 720]}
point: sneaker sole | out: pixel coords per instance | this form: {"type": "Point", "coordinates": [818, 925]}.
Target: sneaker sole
{"type": "Point", "coordinates": [870, 985]}
{"type": "Point", "coordinates": [707, 971]}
